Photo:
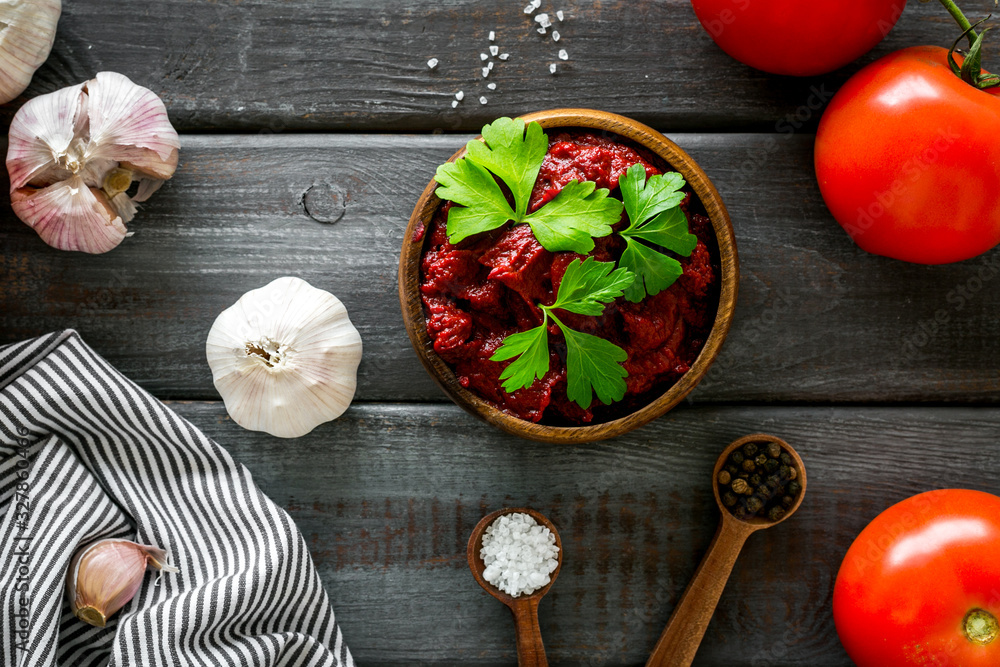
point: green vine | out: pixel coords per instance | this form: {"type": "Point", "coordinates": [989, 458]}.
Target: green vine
{"type": "Point", "coordinates": [971, 69]}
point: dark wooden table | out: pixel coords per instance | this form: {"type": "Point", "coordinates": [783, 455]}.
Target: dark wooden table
{"type": "Point", "coordinates": [309, 129]}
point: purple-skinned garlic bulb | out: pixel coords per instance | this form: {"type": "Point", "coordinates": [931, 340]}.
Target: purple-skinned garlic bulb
{"type": "Point", "coordinates": [27, 31]}
{"type": "Point", "coordinates": [74, 154]}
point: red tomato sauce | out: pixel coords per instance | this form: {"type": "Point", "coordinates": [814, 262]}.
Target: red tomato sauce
{"type": "Point", "coordinates": [485, 288]}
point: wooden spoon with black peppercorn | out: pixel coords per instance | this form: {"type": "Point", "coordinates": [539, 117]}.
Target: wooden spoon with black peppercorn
{"type": "Point", "coordinates": [758, 481]}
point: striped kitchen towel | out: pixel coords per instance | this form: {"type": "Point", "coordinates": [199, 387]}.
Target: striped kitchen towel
{"type": "Point", "coordinates": [86, 454]}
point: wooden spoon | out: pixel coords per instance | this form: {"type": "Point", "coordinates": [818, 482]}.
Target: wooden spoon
{"type": "Point", "coordinates": [682, 636]}
{"type": "Point", "coordinates": [530, 650]}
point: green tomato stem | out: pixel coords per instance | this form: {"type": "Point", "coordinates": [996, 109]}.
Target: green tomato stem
{"type": "Point", "coordinates": [963, 22]}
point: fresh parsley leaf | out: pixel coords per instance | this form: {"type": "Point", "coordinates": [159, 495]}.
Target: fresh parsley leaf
{"type": "Point", "coordinates": [653, 208]}
{"type": "Point", "coordinates": [532, 349]}
{"type": "Point", "coordinates": [586, 286]}
{"type": "Point", "coordinates": [514, 153]}
{"type": "Point", "coordinates": [577, 215]}
{"type": "Point", "coordinates": [483, 205]}
{"type": "Point", "coordinates": [593, 365]}
{"type": "Point", "coordinates": [654, 271]}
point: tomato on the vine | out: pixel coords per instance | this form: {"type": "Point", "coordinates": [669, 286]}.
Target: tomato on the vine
{"type": "Point", "coordinates": [797, 37]}
{"type": "Point", "coordinates": [908, 159]}
{"type": "Point", "coordinates": [921, 584]}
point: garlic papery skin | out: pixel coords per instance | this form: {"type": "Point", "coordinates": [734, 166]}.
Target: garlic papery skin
{"type": "Point", "coordinates": [27, 31]}
{"type": "Point", "coordinates": [73, 155]}
{"type": "Point", "coordinates": [285, 358]}
{"type": "Point", "coordinates": [105, 575]}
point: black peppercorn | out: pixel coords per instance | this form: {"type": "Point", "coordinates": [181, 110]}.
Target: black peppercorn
{"type": "Point", "coordinates": [755, 480]}
{"type": "Point", "coordinates": [784, 472]}
{"type": "Point", "coordinates": [773, 450]}
{"type": "Point", "coordinates": [792, 473]}
{"type": "Point", "coordinates": [771, 465]}
{"type": "Point", "coordinates": [736, 457]}
{"type": "Point", "coordinates": [732, 470]}
{"type": "Point", "coordinates": [724, 477]}
{"type": "Point", "coordinates": [750, 449]}
{"type": "Point", "coordinates": [794, 488]}
{"type": "Point", "coordinates": [749, 465]}
{"type": "Point", "coordinates": [728, 498]}
{"type": "Point", "coordinates": [786, 458]}
{"type": "Point", "coordinates": [740, 486]}
{"type": "Point", "coordinates": [787, 501]}
{"type": "Point", "coordinates": [754, 504]}
{"type": "Point", "coordinates": [740, 512]}
{"type": "Point", "coordinates": [775, 513]}
{"type": "Point", "coordinates": [760, 459]}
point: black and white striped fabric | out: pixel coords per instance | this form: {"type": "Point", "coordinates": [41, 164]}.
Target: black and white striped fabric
{"type": "Point", "coordinates": [86, 454]}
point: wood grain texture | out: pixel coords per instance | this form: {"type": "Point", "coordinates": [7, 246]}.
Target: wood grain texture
{"type": "Point", "coordinates": [728, 278]}
{"type": "Point", "coordinates": [318, 65]}
{"type": "Point", "coordinates": [388, 495]}
{"type": "Point", "coordinates": [817, 318]}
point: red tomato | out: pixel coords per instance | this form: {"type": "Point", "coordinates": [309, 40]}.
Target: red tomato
{"type": "Point", "coordinates": [921, 584]}
{"type": "Point", "coordinates": [797, 37]}
{"type": "Point", "coordinates": [908, 160]}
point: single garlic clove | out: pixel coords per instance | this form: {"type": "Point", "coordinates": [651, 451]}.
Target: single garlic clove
{"type": "Point", "coordinates": [74, 154]}
{"type": "Point", "coordinates": [129, 124]}
{"type": "Point", "coordinates": [69, 215]}
{"type": "Point", "coordinates": [27, 30]}
{"type": "Point", "coordinates": [284, 358]}
{"type": "Point", "coordinates": [105, 575]}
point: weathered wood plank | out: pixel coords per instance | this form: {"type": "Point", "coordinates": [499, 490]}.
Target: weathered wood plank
{"type": "Point", "coordinates": [387, 496]}
{"type": "Point", "coordinates": [818, 319]}
{"type": "Point", "coordinates": [261, 66]}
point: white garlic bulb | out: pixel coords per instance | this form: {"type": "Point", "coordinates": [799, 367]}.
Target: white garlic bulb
{"type": "Point", "coordinates": [27, 30]}
{"type": "Point", "coordinates": [285, 358]}
{"type": "Point", "coordinates": [74, 153]}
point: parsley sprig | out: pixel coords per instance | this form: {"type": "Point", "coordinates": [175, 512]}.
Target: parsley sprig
{"type": "Point", "coordinates": [655, 217]}
{"type": "Point", "coordinates": [514, 153]}
{"type": "Point", "coordinates": [593, 364]}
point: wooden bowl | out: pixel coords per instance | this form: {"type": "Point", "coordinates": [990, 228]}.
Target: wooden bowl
{"type": "Point", "coordinates": [678, 160]}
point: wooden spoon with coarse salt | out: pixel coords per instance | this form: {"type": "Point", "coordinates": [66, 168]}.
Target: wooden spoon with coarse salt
{"type": "Point", "coordinates": [530, 649]}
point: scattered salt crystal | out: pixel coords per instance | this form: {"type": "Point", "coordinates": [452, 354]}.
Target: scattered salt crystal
{"type": "Point", "coordinates": [460, 95]}
{"type": "Point", "coordinates": [541, 31]}
{"type": "Point", "coordinates": [555, 35]}
{"type": "Point", "coordinates": [493, 35]}
{"type": "Point", "coordinates": [552, 68]}
{"type": "Point", "coordinates": [563, 55]}
{"type": "Point", "coordinates": [504, 56]}
{"type": "Point", "coordinates": [494, 50]}
{"type": "Point", "coordinates": [483, 56]}
{"type": "Point", "coordinates": [520, 556]}
{"type": "Point", "coordinates": [491, 86]}
{"type": "Point", "coordinates": [536, 3]}
{"type": "Point", "coordinates": [483, 100]}
{"type": "Point", "coordinates": [486, 72]}
{"type": "Point", "coordinates": [432, 63]}
{"type": "Point", "coordinates": [490, 67]}
{"type": "Point", "coordinates": [454, 104]}
{"type": "Point", "coordinates": [530, 8]}
{"type": "Point", "coordinates": [560, 15]}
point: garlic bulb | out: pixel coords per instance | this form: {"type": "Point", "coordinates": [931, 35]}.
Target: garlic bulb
{"type": "Point", "coordinates": [74, 153]}
{"type": "Point", "coordinates": [104, 576]}
{"type": "Point", "coordinates": [27, 30]}
{"type": "Point", "coordinates": [285, 358]}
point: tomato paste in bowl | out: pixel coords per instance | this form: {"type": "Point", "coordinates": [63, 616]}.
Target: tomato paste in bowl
{"type": "Point", "coordinates": [477, 292]}
{"type": "Point", "coordinates": [473, 308]}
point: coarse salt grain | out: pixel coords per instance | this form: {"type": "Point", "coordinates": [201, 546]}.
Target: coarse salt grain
{"type": "Point", "coordinates": [491, 86]}
{"type": "Point", "coordinates": [552, 68]}
{"type": "Point", "coordinates": [530, 8]}
{"type": "Point", "coordinates": [494, 50]}
{"type": "Point", "coordinates": [483, 100]}
{"type": "Point", "coordinates": [555, 35]}
{"type": "Point", "coordinates": [563, 55]}
{"type": "Point", "coordinates": [490, 67]}
{"type": "Point", "coordinates": [536, 3]}
{"type": "Point", "coordinates": [454, 104]}
{"type": "Point", "coordinates": [483, 56]}
{"type": "Point", "coordinates": [541, 31]}
{"type": "Point", "coordinates": [486, 72]}
{"type": "Point", "coordinates": [520, 555]}
{"type": "Point", "coordinates": [560, 15]}
{"type": "Point", "coordinates": [460, 95]}
{"type": "Point", "coordinates": [493, 35]}
{"type": "Point", "coordinates": [504, 56]}
{"type": "Point", "coordinates": [432, 63]}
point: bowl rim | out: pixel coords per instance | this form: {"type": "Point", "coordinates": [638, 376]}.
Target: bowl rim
{"type": "Point", "coordinates": [673, 155]}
